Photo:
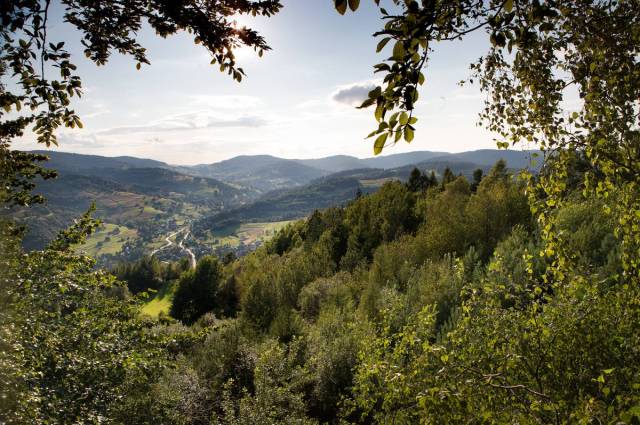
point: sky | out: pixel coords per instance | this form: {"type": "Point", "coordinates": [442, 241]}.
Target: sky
{"type": "Point", "coordinates": [297, 101]}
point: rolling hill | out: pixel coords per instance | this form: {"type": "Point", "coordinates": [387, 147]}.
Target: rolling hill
{"type": "Point", "coordinates": [331, 190]}
{"type": "Point", "coordinates": [142, 200]}
{"type": "Point", "coordinates": [259, 172]}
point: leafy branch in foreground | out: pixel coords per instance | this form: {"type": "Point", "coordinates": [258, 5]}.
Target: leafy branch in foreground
{"type": "Point", "coordinates": [38, 80]}
{"type": "Point", "coordinates": [561, 75]}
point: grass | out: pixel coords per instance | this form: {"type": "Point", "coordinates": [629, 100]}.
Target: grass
{"type": "Point", "coordinates": [246, 233]}
{"type": "Point", "coordinates": [161, 301]}
{"type": "Point", "coordinates": [104, 241]}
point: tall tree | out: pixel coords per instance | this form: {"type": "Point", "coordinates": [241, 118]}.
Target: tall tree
{"type": "Point", "coordinates": [197, 291]}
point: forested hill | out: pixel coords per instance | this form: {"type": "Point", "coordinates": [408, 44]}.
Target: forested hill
{"type": "Point", "coordinates": [144, 200]}
{"type": "Point", "coordinates": [265, 172]}
{"type": "Point", "coordinates": [81, 163]}
{"type": "Point", "coordinates": [260, 172]}
{"type": "Point", "coordinates": [333, 190]}
{"type": "Point", "coordinates": [350, 314]}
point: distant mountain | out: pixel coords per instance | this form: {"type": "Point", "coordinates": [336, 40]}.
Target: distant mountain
{"type": "Point", "coordinates": [148, 199]}
{"type": "Point", "coordinates": [164, 182]}
{"type": "Point", "coordinates": [336, 163]}
{"type": "Point", "coordinates": [488, 157]}
{"type": "Point", "coordinates": [261, 172]}
{"type": "Point", "coordinates": [287, 204]}
{"type": "Point", "coordinates": [401, 159]}
{"type": "Point", "coordinates": [328, 191]}
{"type": "Point", "coordinates": [79, 163]}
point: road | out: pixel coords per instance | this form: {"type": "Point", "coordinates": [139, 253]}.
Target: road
{"type": "Point", "coordinates": [181, 245]}
{"type": "Point", "coordinates": [192, 257]}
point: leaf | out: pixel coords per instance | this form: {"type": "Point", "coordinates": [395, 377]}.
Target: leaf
{"type": "Point", "coordinates": [367, 103]}
{"type": "Point", "coordinates": [398, 50]}
{"type": "Point", "coordinates": [379, 112]}
{"type": "Point", "coordinates": [408, 134]}
{"type": "Point", "coordinates": [379, 143]}
{"type": "Point", "coordinates": [354, 4]}
{"type": "Point", "coordinates": [382, 43]}
{"type": "Point", "coordinates": [373, 94]}
{"type": "Point", "coordinates": [341, 6]}
{"type": "Point", "coordinates": [508, 6]}
{"type": "Point", "coordinates": [404, 118]}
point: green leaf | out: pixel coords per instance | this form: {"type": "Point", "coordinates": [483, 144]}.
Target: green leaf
{"type": "Point", "coordinates": [508, 5]}
{"type": "Point", "coordinates": [382, 43]}
{"type": "Point", "coordinates": [398, 50]}
{"type": "Point", "coordinates": [373, 94]}
{"type": "Point", "coordinates": [404, 118]}
{"type": "Point", "coordinates": [379, 112]}
{"type": "Point", "coordinates": [408, 134]}
{"type": "Point", "coordinates": [379, 143]}
{"type": "Point", "coordinates": [367, 103]}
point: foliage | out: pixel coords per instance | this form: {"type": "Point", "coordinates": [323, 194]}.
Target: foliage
{"type": "Point", "coordinates": [140, 276]}
{"type": "Point", "coordinates": [198, 291]}
{"type": "Point", "coordinates": [75, 346]}
{"type": "Point", "coordinates": [527, 85]}
{"type": "Point", "coordinates": [445, 305]}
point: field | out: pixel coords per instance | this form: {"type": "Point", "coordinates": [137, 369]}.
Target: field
{"type": "Point", "coordinates": [161, 301]}
{"type": "Point", "coordinates": [375, 183]}
{"type": "Point", "coordinates": [108, 239]}
{"type": "Point", "coordinates": [246, 233]}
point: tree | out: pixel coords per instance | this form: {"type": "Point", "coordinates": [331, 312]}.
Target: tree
{"type": "Point", "coordinates": [142, 275]}
{"type": "Point", "coordinates": [75, 347]}
{"type": "Point", "coordinates": [419, 181]}
{"type": "Point", "coordinates": [447, 177]}
{"type": "Point", "coordinates": [527, 83]}
{"type": "Point", "coordinates": [477, 178]}
{"type": "Point", "coordinates": [197, 291]}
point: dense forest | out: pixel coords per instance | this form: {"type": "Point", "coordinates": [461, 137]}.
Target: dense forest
{"type": "Point", "coordinates": [422, 302]}
{"type": "Point", "coordinates": [500, 297]}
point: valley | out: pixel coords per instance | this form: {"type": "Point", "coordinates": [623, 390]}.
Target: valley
{"type": "Point", "coordinates": [152, 208]}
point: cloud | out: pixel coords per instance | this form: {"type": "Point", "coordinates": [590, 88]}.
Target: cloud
{"type": "Point", "coordinates": [353, 94]}
{"type": "Point", "coordinates": [225, 102]}
{"type": "Point", "coordinates": [466, 93]}
{"type": "Point", "coordinates": [189, 121]}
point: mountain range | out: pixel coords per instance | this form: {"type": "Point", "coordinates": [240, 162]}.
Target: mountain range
{"type": "Point", "coordinates": [145, 199]}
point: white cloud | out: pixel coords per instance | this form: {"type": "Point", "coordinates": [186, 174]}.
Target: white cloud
{"type": "Point", "coordinates": [227, 102]}
{"type": "Point", "coordinates": [191, 121]}
{"type": "Point", "coordinates": [353, 94]}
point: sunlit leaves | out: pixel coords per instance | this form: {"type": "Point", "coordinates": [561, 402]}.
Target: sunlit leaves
{"type": "Point", "coordinates": [398, 50]}
{"type": "Point", "coordinates": [408, 134]}
{"type": "Point", "coordinates": [378, 145]}
{"type": "Point", "coordinates": [526, 83]}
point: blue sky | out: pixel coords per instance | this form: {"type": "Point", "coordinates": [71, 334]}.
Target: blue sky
{"type": "Point", "coordinates": [297, 101]}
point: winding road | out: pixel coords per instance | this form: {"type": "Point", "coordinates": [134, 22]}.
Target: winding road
{"type": "Point", "coordinates": [181, 245]}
